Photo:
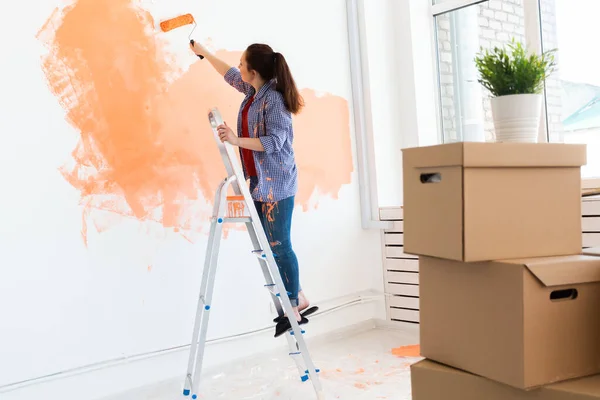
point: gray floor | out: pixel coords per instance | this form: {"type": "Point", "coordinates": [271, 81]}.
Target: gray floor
{"type": "Point", "coordinates": [359, 366]}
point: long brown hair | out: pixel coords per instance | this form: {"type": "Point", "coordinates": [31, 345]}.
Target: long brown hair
{"type": "Point", "coordinates": [269, 64]}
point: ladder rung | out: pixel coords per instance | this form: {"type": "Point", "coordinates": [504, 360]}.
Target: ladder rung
{"type": "Point", "coordinates": [273, 289]}
{"type": "Point", "coordinates": [234, 220]}
{"type": "Point", "coordinates": [259, 253]}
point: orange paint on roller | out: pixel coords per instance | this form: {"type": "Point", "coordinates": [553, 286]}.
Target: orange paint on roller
{"type": "Point", "coordinates": [176, 22]}
{"type": "Point", "coordinates": [182, 20]}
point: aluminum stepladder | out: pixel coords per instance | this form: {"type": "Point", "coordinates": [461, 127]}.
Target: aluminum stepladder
{"type": "Point", "coordinates": [227, 210]}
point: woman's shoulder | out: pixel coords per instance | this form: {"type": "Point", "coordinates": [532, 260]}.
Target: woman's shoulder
{"type": "Point", "coordinates": [274, 100]}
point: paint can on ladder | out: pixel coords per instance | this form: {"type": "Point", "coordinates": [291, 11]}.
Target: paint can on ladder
{"type": "Point", "coordinates": [236, 207]}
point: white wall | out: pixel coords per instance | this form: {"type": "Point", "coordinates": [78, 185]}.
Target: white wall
{"type": "Point", "coordinates": [65, 306]}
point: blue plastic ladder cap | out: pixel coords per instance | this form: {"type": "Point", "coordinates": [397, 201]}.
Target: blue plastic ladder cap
{"type": "Point", "coordinates": [207, 308]}
{"type": "Point", "coordinates": [194, 397]}
{"type": "Point", "coordinates": [316, 369]}
{"type": "Point", "coordinates": [220, 220]}
{"type": "Point", "coordinates": [186, 392]}
{"type": "Point", "coordinates": [264, 256]}
{"type": "Point", "coordinates": [304, 378]}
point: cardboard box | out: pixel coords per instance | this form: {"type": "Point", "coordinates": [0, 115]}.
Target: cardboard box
{"type": "Point", "coordinates": [433, 381]}
{"type": "Point", "coordinates": [493, 201]}
{"type": "Point", "coordinates": [524, 323]}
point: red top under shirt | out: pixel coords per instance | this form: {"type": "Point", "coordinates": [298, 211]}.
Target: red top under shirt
{"type": "Point", "coordinates": [247, 156]}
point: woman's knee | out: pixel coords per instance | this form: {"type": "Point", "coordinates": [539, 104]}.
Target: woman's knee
{"type": "Point", "coordinates": [281, 249]}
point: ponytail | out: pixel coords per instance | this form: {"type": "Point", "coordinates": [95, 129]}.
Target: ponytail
{"type": "Point", "coordinates": [286, 85]}
{"type": "Point", "coordinates": [262, 59]}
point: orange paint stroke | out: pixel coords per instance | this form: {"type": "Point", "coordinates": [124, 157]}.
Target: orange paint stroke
{"type": "Point", "coordinates": [270, 208]}
{"type": "Point", "coordinates": [322, 146]}
{"type": "Point", "coordinates": [407, 351]}
{"type": "Point", "coordinates": [146, 150]}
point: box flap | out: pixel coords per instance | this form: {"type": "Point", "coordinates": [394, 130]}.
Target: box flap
{"type": "Point", "coordinates": [567, 270]}
{"type": "Point", "coordinates": [475, 154]}
{"type": "Point", "coordinates": [588, 387]}
{"type": "Point", "coordinates": [444, 155]}
{"type": "Point", "coordinates": [431, 380]}
{"type": "Point", "coordinates": [524, 155]}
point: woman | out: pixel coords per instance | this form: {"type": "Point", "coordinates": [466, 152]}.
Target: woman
{"type": "Point", "coordinates": [264, 136]}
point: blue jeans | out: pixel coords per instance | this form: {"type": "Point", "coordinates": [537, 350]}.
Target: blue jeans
{"type": "Point", "coordinates": [276, 219]}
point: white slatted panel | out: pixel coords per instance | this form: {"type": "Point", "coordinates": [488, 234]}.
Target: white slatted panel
{"type": "Point", "coordinates": [590, 221]}
{"type": "Point", "coordinates": [401, 271]}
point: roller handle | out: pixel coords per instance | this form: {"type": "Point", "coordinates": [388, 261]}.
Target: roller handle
{"type": "Point", "coordinates": [192, 42]}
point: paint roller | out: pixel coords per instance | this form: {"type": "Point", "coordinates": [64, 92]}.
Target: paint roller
{"type": "Point", "coordinates": [182, 20]}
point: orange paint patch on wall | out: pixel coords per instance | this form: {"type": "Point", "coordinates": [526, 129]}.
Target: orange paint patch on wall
{"type": "Point", "coordinates": [146, 149]}
{"type": "Point", "coordinates": [322, 146]}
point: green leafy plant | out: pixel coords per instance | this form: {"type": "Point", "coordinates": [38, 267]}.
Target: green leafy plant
{"type": "Point", "coordinates": [505, 72]}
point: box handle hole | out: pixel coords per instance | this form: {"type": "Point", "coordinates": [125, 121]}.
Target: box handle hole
{"type": "Point", "coordinates": [565, 294]}
{"type": "Point", "coordinates": [431, 178]}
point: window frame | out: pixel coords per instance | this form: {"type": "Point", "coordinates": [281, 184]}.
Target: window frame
{"type": "Point", "coordinates": [534, 42]}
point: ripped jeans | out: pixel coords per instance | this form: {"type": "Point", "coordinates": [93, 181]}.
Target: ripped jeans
{"type": "Point", "coordinates": [276, 219]}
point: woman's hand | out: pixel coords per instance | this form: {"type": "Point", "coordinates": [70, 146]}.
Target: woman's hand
{"type": "Point", "coordinates": [199, 49]}
{"type": "Point", "coordinates": [227, 135]}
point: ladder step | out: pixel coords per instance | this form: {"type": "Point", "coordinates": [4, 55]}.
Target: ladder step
{"type": "Point", "coordinates": [273, 289]}
{"type": "Point", "coordinates": [231, 220]}
{"type": "Point", "coordinates": [259, 253]}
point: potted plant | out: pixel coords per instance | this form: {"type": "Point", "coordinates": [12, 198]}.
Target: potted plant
{"type": "Point", "coordinates": [515, 80]}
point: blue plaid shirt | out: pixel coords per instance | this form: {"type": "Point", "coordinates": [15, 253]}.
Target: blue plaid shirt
{"type": "Point", "coordinates": [271, 122]}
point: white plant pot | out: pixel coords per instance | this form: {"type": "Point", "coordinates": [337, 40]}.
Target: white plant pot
{"type": "Point", "coordinates": [517, 117]}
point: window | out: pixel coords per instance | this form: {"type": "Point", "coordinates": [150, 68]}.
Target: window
{"type": "Point", "coordinates": [460, 34]}
{"type": "Point", "coordinates": [572, 93]}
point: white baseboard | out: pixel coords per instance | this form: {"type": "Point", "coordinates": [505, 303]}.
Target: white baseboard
{"type": "Point", "coordinates": [100, 382]}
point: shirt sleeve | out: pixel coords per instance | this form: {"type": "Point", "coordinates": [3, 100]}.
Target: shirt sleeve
{"type": "Point", "coordinates": [234, 78]}
{"type": "Point", "coordinates": [278, 121]}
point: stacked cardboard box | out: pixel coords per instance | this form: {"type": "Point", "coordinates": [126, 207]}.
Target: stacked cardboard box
{"type": "Point", "coordinates": [510, 307]}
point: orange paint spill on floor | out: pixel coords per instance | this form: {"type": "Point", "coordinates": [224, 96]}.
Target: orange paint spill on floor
{"type": "Point", "coordinates": [146, 149]}
{"type": "Point", "coordinates": [407, 351]}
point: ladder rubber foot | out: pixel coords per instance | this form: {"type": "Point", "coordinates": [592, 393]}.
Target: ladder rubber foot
{"type": "Point", "coordinates": [304, 378]}
{"type": "Point", "coordinates": [186, 392]}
